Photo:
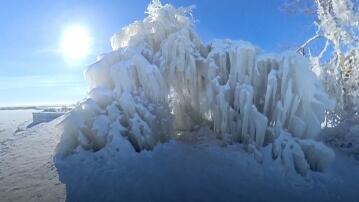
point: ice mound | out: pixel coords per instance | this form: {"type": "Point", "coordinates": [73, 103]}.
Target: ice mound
{"type": "Point", "coordinates": [345, 137]}
{"type": "Point", "coordinates": [160, 79]}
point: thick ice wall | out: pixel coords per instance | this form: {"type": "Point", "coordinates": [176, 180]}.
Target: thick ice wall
{"type": "Point", "coordinates": [160, 78]}
{"type": "Point", "coordinates": [98, 74]}
{"type": "Point", "coordinates": [150, 79]}
{"type": "Point", "coordinates": [136, 75]}
{"type": "Point", "coordinates": [179, 56]}
{"type": "Point", "coordinates": [278, 89]}
{"type": "Point", "coordinates": [124, 77]}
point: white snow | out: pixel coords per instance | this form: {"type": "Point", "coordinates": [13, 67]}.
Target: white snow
{"type": "Point", "coordinates": [27, 172]}
{"type": "Point", "coordinates": [318, 155]}
{"type": "Point", "coordinates": [12, 120]}
{"type": "Point", "coordinates": [345, 137]}
{"type": "Point", "coordinates": [102, 96]}
{"type": "Point", "coordinates": [193, 166]}
{"type": "Point", "coordinates": [198, 167]}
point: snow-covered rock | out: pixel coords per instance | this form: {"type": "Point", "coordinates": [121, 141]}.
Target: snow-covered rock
{"type": "Point", "coordinates": [160, 78]}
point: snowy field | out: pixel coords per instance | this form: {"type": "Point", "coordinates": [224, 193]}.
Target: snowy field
{"type": "Point", "coordinates": [192, 167]}
{"type": "Point", "coordinates": [27, 172]}
{"type": "Point", "coordinates": [12, 120]}
{"type": "Point", "coordinates": [197, 167]}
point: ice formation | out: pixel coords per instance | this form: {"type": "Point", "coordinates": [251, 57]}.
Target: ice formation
{"type": "Point", "coordinates": [345, 137]}
{"type": "Point", "coordinates": [160, 78]}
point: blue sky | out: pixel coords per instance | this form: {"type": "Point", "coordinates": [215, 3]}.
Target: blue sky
{"type": "Point", "coordinates": [33, 71]}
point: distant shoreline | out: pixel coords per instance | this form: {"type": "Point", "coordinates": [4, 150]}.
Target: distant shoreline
{"type": "Point", "coordinates": [40, 107]}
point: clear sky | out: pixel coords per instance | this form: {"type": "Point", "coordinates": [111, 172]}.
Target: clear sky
{"type": "Point", "coordinates": [34, 71]}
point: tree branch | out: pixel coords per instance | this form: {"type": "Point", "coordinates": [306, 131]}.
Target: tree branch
{"type": "Point", "coordinates": [300, 50]}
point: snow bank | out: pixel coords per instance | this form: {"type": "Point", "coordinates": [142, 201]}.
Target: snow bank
{"type": "Point", "coordinates": [195, 167]}
{"type": "Point", "coordinates": [344, 137]}
{"type": "Point", "coordinates": [160, 78]}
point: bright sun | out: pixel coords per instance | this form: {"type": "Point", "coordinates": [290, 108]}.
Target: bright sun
{"type": "Point", "coordinates": [75, 43]}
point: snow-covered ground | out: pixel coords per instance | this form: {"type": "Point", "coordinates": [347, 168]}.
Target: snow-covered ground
{"type": "Point", "coordinates": [12, 120]}
{"type": "Point", "coordinates": [197, 167]}
{"type": "Point", "coordinates": [27, 172]}
{"type": "Point", "coordinates": [191, 167]}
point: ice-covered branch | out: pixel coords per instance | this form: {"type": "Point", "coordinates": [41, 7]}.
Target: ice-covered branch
{"type": "Point", "coordinates": [302, 48]}
{"type": "Point", "coordinates": [337, 23]}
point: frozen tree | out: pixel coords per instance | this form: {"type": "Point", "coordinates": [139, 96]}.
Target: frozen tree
{"type": "Point", "coordinates": [337, 63]}
{"type": "Point", "coordinates": [160, 79]}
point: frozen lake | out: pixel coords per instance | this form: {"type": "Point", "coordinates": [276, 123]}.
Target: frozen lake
{"type": "Point", "coordinates": [27, 172]}
{"type": "Point", "coordinates": [10, 120]}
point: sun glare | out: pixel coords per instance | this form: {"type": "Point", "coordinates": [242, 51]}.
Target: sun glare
{"type": "Point", "coordinates": [75, 43]}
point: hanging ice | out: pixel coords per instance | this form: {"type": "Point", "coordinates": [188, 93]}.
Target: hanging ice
{"type": "Point", "coordinates": [160, 78]}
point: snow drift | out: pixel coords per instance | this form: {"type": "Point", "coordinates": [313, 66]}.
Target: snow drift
{"type": "Point", "coordinates": [161, 79]}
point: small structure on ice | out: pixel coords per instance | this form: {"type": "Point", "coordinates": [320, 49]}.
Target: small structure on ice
{"type": "Point", "coordinates": [47, 115]}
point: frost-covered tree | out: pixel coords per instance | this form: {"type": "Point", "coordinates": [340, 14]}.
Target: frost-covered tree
{"type": "Point", "coordinates": [337, 66]}
{"type": "Point", "coordinates": [337, 63]}
{"type": "Point", "coordinates": [160, 78]}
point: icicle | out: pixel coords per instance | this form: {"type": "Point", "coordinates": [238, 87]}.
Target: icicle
{"type": "Point", "coordinates": [270, 96]}
{"type": "Point", "coordinates": [260, 126]}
